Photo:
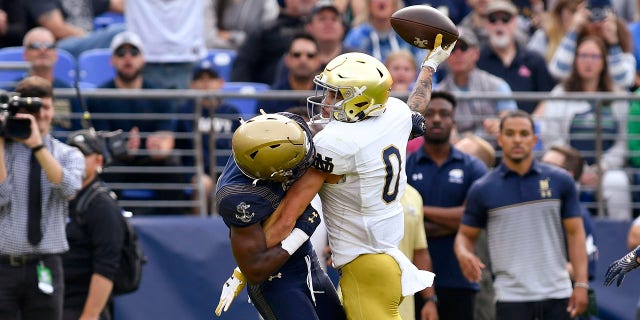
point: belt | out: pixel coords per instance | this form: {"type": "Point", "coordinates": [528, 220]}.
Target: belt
{"type": "Point", "coordinates": [17, 261]}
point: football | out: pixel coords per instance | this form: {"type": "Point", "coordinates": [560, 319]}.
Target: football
{"type": "Point", "coordinates": [420, 24]}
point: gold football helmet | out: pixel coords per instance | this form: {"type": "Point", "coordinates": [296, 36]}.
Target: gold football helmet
{"type": "Point", "coordinates": [273, 147]}
{"type": "Point", "coordinates": [352, 87]}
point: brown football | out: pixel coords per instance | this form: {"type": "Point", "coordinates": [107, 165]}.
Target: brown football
{"type": "Point", "coordinates": [420, 24]}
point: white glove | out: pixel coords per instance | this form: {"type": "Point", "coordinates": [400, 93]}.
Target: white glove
{"type": "Point", "coordinates": [438, 54]}
{"type": "Point", "coordinates": [230, 290]}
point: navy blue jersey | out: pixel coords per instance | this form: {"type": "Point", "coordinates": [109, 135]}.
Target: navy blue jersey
{"type": "Point", "coordinates": [241, 203]}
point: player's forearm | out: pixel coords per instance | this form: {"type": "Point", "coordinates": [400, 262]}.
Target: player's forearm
{"type": "Point", "coordinates": [298, 197]}
{"type": "Point", "coordinates": [264, 265]}
{"type": "Point", "coordinates": [421, 93]}
{"type": "Point", "coordinates": [434, 230]}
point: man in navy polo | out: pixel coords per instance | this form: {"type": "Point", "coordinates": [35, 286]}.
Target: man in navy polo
{"type": "Point", "coordinates": [443, 174]}
{"type": "Point", "coordinates": [525, 205]}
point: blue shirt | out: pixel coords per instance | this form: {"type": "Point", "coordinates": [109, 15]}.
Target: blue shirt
{"type": "Point", "coordinates": [523, 216]}
{"type": "Point", "coordinates": [134, 107]}
{"type": "Point", "coordinates": [444, 186]}
{"type": "Point", "coordinates": [527, 72]}
{"type": "Point", "coordinates": [223, 122]}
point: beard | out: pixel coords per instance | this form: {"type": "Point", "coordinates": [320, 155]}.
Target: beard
{"type": "Point", "coordinates": [128, 78]}
{"type": "Point", "coordinates": [499, 41]}
{"type": "Point", "coordinates": [436, 140]}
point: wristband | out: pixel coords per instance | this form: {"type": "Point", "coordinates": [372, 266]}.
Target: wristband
{"type": "Point", "coordinates": [37, 148]}
{"type": "Point", "coordinates": [581, 285]}
{"type": "Point", "coordinates": [292, 242]}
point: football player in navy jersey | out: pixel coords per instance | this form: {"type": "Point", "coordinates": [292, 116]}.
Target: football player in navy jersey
{"type": "Point", "coordinates": [271, 151]}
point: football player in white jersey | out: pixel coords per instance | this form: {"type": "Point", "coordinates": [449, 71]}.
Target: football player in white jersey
{"type": "Point", "coordinates": [359, 175]}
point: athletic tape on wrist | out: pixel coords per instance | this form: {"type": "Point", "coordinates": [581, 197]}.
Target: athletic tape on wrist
{"type": "Point", "coordinates": [292, 242]}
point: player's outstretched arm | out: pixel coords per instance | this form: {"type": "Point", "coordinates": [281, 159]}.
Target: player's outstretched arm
{"type": "Point", "coordinates": [421, 93]}
{"type": "Point", "coordinates": [619, 268]}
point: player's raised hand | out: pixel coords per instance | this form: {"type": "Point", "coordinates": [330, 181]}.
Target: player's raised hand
{"type": "Point", "coordinates": [438, 54]}
{"type": "Point", "coordinates": [230, 290]}
{"type": "Point", "coordinates": [619, 268]}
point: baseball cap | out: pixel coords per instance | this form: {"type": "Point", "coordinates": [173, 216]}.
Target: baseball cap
{"type": "Point", "coordinates": [205, 66]}
{"type": "Point", "coordinates": [126, 37]}
{"type": "Point", "coordinates": [468, 36]}
{"type": "Point", "coordinates": [502, 6]}
{"type": "Point", "coordinates": [599, 3]}
{"type": "Point", "coordinates": [87, 141]}
{"type": "Point", "coordinates": [322, 5]}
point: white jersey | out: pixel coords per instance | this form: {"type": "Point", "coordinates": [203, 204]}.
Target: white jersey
{"type": "Point", "coordinates": [171, 30]}
{"type": "Point", "coordinates": [362, 212]}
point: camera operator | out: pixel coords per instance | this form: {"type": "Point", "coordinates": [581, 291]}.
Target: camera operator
{"type": "Point", "coordinates": [38, 176]}
{"type": "Point", "coordinates": [96, 235]}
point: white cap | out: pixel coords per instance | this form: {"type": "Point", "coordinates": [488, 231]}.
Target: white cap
{"type": "Point", "coordinates": [126, 37]}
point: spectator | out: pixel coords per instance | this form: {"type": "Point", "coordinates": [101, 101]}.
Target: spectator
{"type": "Point", "coordinates": [522, 69]}
{"type": "Point", "coordinates": [484, 305]}
{"type": "Point", "coordinates": [527, 249]}
{"type": "Point", "coordinates": [176, 43]}
{"type": "Point", "coordinates": [258, 57]}
{"type": "Point", "coordinates": [476, 21]}
{"type": "Point", "coordinates": [414, 246]}
{"type": "Point", "coordinates": [41, 53]}
{"type": "Point", "coordinates": [443, 174]}
{"type": "Point", "coordinates": [572, 122]}
{"type": "Point", "coordinates": [13, 22]}
{"type": "Point", "coordinates": [217, 117]}
{"type": "Point", "coordinates": [302, 64]}
{"type": "Point", "coordinates": [151, 141]}
{"type": "Point", "coordinates": [71, 22]}
{"type": "Point", "coordinates": [38, 175]}
{"type": "Point", "coordinates": [326, 26]}
{"type": "Point", "coordinates": [228, 22]}
{"type": "Point", "coordinates": [376, 37]}
{"type": "Point", "coordinates": [474, 116]}
{"type": "Point", "coordinates": [402, 67]}
{"type": "Point", "coordinates": [96, 235]}
{"type": "Point", "coordinates": [555, 25]}
{"type": "Point", "coordinates": [598, 19]}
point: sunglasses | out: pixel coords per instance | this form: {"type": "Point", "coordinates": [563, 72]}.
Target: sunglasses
{"type": "Point", "coordinates": [41, 45]}
{"type": "Point", "coordinates": [121, 52]}
{"type": "Point", "coordinates": [461, 46]}
{"type": "Point", "coordinates": [298, 54]}
{"type": "Point", "coordinates": [495, 17]}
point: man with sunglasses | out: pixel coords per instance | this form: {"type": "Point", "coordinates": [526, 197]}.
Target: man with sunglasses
{"type": "Point", "coordinates": [504, 57]}
{"type": "Point", "coordinates": [302, 63]}
{"type": "Point", "coordinates": [474, 116]}
{"type": "Point", "coordinates": [151, 141]}
{"type": "Point", "coordinates": [41, 54]}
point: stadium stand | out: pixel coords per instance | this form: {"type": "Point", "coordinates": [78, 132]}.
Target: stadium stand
{"type": "Point", "coordinates": [65, 68]}
{"type": "Point", "coordinates": [94, 67]}
{"type": "Point", "coordinates": [222, 61]}
{"type": "Point", "coordinates": [247, 107]}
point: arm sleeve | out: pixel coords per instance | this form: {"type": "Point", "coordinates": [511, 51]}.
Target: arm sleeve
{"type": "Point", "coordinates": [560, 64]}
{"type": "Point", "coordinates": [622, 67]}
{"type": "Point", "coordinates": [475, 214]}
{"type": "Point", "coordinates": [72, 163]}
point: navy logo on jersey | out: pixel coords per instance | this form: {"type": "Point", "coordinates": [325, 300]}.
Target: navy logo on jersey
{"type": "Point", "coordinates": [323, 163]}
{"type": "Point", "coordinates": [243, 214]}
{"type": "Point", "coordinates": [545, 190]}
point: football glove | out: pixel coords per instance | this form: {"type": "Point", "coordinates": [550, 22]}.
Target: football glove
{"type": "Point", "coordinates": [619, 268]}
{"type": "Point", "coordinates": [230, 290]}
{"type": "Point", "coordinates": [438, 54]}
{"type": "Point", "coordinates": [417, 125]}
